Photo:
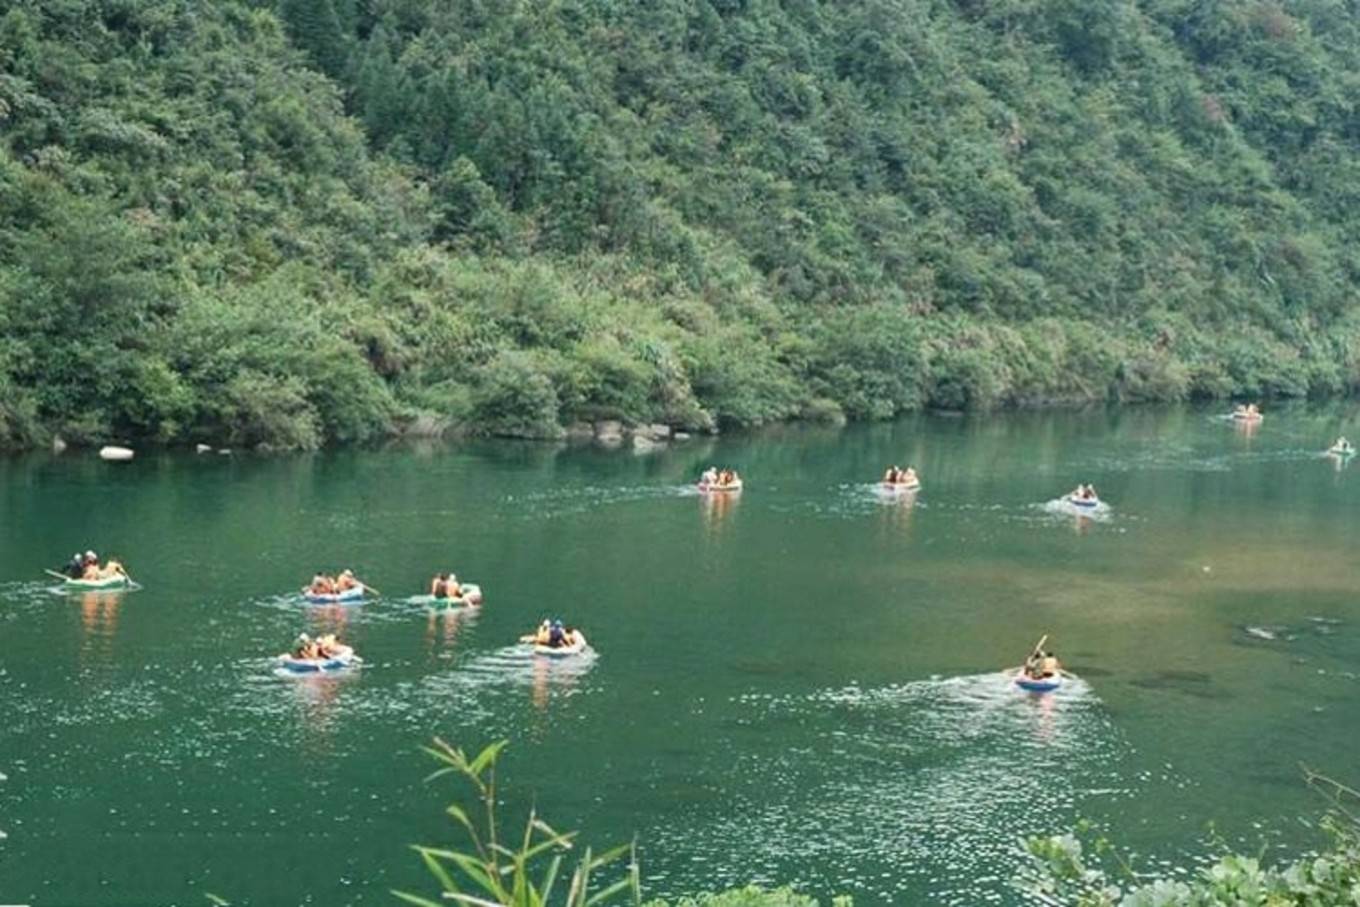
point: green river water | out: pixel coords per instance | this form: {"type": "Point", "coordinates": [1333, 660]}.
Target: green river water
{"type": "Point", "coordinates": [799, 685]}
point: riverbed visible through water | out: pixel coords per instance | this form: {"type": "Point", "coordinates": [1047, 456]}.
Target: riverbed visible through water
{"type": "Point", "coordinates": [800, 684]}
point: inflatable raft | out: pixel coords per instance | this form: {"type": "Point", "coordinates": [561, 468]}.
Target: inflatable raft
{"type": "Point", "coordinates": [472, 595]}
{"type": "Point", "coordinates": [349, 595]}
{"type": "Point", "coordinates": [343, 658]}
{"type": "Point", "coordinates": [1084, 503]}
{"type": "Point", "coordinates": [1038, 684]}
{"type": "Point", "coordinates": [1247, 417]}
{"type": "Point", "coordinates": [706, 488]}
{"type": "Point", "coordinates": [1341, 451]}
{"type": "Point", "coordinates": [900, 487]}
{"type": "Point", "coordinates": [85, 585]}
{"type": "Point", "coordinates": [563, 651]}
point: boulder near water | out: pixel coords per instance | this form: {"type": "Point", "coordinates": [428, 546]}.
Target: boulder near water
{"type": "Point", "coordinates": [115, 454]}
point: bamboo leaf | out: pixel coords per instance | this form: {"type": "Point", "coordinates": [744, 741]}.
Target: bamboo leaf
{"type": "Point", "coordinates": [487, 757]}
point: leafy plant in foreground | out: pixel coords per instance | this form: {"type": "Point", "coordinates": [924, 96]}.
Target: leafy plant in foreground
{"type": "Point", "coordinates": [1067, 872]}
{"type": "Point", "coordinates": [516, 873]}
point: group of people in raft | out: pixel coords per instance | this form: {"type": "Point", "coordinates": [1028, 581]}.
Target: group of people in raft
{"type": "Point", "coordinates": [713, 477]}
{"type": "Point", "coordinates": [552, 634]}
{"type": "Point", "coordinates": [325, 584]}
{"type": "Point", "coordinates": [1041, 665]}
{"type": "Point", "coordinates": [1250, 411]}
{"type": "Point", "coordinates": [86, 567]}
{"type": "Point", "coordinates": [1085, 492]}
{"type": "Point", "coordinates": [319, 649]}
{"type": "Point", "coordinates": [896, 476]}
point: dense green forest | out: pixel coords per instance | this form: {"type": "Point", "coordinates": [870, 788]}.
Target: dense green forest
{"type": "Point", "coordinates": [306, 221]}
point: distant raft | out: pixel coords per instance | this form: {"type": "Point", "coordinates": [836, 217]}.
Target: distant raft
{"type": "Point", "coordinates": [1084, 503]}
{"type": "Point", "coordinates": [343, 657]}
{"type": "Point", "coordinates": [900, 487]}
{"type": "Point", "coordinates": [1038, 684]}
{"type": "Point", "coordinates": [331, 598]}
{"type": "Point", "coordinates": [715, 488]}
{"type": "Point", "coordinates": [1341, 450]}
{"type": "Point", "coordinates": [469, 594]}
{"type": "Point", "coordinates": [1247, 417]}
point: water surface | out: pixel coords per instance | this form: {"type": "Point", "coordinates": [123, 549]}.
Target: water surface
{"type": "Point", "coordinates": [798, 685]}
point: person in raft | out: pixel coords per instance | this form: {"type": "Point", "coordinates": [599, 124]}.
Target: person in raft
{"type": "Point", "coordinates": [75, 569]}
{"type": "Point", "coordinates": [1041, 665]}
{"type": "Point", "coordinates": [553, 635]}
{"type": "Point", "coordinates": [727, 477]}
{"type": "Point", "coordinates": [907, 476]}
{"type": "Point", "coordinates": [314, 649]}
{"type": "Point", "coordinates": [1084, 493]}
{"type": "Point", "coordinates": [321, 584]}
{"type": "Point", "coordinates": [710, 476]}
{"type": "Point", "coordinates": [445, 585]}
{"type": "Point", "coordinates": [346, 581]}
{"type": "Point", "coordinates": [892, 476]}
{"type": "Point", "coordinates": [90, 569]}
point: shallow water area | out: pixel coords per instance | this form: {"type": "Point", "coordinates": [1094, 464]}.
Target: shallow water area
{"type": "Point", "coordinates": [801, 683]}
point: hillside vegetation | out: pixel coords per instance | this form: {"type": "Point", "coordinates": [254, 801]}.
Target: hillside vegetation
{"type": "Point", "coordinates": [307, 221]}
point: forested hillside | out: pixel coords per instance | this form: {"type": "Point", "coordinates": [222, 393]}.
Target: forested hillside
{"type": "Point", "coordinates": [305, 221]}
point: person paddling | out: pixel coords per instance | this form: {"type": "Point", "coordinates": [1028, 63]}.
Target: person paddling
{"type": "Point", "coordinates": [75, 569]}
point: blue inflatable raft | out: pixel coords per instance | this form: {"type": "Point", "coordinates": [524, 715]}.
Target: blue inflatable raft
{"type": "Point", "coordinates": [349, 595]}
{"type": "Point", "coordinates": [1039, 684]}
{"type": "Point", "coordinates": [342, 659]}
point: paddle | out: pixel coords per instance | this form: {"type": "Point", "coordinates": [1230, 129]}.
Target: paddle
{"type": "Point", "coordinates": [370, 587]}
{"type": "Point", "coordinates": [1038, 647]}
{"type": "Point", "coordinates": [60, 576]}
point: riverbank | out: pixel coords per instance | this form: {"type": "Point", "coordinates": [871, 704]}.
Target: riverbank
{"type": "Point", "coordinates": [975, 367]}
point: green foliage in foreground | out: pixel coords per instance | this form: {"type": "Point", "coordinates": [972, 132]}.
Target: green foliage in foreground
{"type": "Point", "coordinates": [296, 222]}
{"type": "Point", "coordinates": [526, 869]}
{"type": "Point", "coordinates": [1065, 872]}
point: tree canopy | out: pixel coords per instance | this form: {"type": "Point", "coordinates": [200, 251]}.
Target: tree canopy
{"type": "Point", "coordinates": [290, 222]}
